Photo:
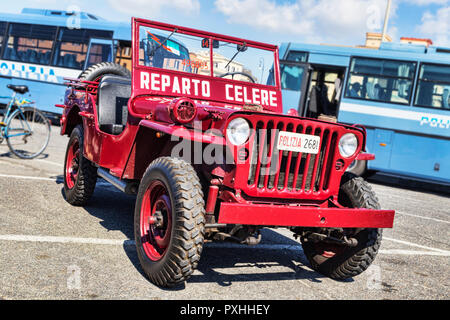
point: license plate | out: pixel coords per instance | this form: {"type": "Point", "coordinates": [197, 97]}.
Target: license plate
{"type": "Point", "coordinates": [298, 142]}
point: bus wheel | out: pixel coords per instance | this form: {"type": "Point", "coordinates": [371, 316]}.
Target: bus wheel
{"type": "Point", "coordinates": [358, 167]}
{"type": "Point", "coordinates": [80, 176]}
{"type": "Point", "coordinates": [169, 221]}
{"type": "Point", "coordinates": [339, 261]}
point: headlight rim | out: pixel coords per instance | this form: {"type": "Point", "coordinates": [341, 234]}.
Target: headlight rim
{"type": "Point", "coordinates": [341, 152]}
{"type": "Point", "coordinates": [233, 140]}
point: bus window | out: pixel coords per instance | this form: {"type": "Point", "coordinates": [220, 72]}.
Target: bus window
{"type": "Point", "coordinates": [380, 80]}
{"type": "Point", "coordinates": [29, 43]}
{"type": "Point", "coordinates": [99, 52]}
{"type": "Point", "coordinates": [73, 44]}
{"type": "Point", "coordinates": [291, 77]}
{"type": "Point", "coordinates": [434, 87]}
{"type": "Point", "coordinates": [2, 33]}
{"type": "Point", "coordinates": [123, 56]}
{"type": "Point", "coordinates": [297, 56]}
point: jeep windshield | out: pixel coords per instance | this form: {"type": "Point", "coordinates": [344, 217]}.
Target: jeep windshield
{"type": "Point", "coordinates": [233, 60]}
{"type": "Point", "coordinates": [162, 52]}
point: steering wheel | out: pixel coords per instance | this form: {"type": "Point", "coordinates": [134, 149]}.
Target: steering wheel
{"type": "Point", "coordinates": [237, 72]}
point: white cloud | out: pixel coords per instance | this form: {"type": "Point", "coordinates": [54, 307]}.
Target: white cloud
{"type": "Point", "coordinates": [313, 20]}
{"type": "Point", "coordinates": [152, 8]}
{"type": "Point", "coordinates": [436, 26]}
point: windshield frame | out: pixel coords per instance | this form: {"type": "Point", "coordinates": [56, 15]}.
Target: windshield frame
{"type": "Point", "coordinates": [214, 80]}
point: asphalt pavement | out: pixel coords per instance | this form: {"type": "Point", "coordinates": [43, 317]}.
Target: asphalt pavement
{"type": "Point", "coordinates": [52, 250]}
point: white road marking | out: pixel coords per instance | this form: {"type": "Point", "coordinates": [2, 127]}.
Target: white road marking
{"type": "Point", "coordinates": [54, 239]}
{"type": "Point", "coordinates": [129, 242]}
{"type": "Point", "coordinates": [434, 252]}
{"type": "Point", "coordinates": [416, 245]}
{"type": "Point", "coordinates": [413, 252]}
{"type": "Point", "coordinates": [390, 195]}
{"type": "Point", "coordinates": [226, 245]}
{"type": "Point", "coordinates": [402, 197]}
{"type": "Point", "coordinates": [100, 182]}
{"type": "Point", "coordinates": [50, 162]}
{"type": "Point", "coordinates": [421, 217]}
{"type": "Point", "coordinates": [19, 161]}
{"type": "Point", "coordinates": [26, 177]}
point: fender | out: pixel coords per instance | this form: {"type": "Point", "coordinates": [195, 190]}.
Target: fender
{"type": "Point", "coordinates": [159, 136]}
{"type": "Point", "coordinates": [70, 119]}
{"type": "Point", "coordinates": [183, 132]}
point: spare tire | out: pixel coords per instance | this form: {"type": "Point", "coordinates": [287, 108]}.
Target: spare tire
{"type": "Point", "coordinates": [96, 71]}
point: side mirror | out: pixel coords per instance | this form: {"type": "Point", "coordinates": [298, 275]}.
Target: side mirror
{"type": "Point", "coordinates": [241, 47]}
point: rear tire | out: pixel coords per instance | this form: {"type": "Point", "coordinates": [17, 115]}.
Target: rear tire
{"type": "Point", "coordinates": [96, 71]}
{"type": "Point", "coordinates": [340, 262]}
{"type": "Point", "coordinates": [169, 250]}
{"type": "Point", "coordinates": [80, 175]}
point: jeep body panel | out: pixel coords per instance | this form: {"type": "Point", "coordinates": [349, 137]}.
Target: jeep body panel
{"type": "Point", "coordinates": [262, 185]}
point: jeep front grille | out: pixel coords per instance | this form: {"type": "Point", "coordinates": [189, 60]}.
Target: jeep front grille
{"type": "Point", "coordinates": [290, 174]}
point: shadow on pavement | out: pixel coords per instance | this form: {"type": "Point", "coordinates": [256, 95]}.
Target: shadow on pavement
{"type": "Point", "coordinates": [116, 209]}
{"type": "Point", "coordinates": [262, 264]}
{"type": "Point", "coordinates": [11, 155]}
{"type": "Point", "coordinates": [112, 207]}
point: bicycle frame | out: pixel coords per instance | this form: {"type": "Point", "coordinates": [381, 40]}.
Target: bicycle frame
{"type": "Point", "coordinates": [9, 112]}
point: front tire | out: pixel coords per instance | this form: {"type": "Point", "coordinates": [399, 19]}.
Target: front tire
{"type": "Point", "coordinates": [80, 175]}
{"type": "Point", "coordinates": [340, 262]}
{"type": "Point", "coordinates": [169, 221]}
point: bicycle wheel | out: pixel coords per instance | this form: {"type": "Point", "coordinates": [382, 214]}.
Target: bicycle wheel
{"type": "Point", "coordinates": [27, 132]}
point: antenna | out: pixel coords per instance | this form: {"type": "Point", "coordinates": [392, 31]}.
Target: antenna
{"type": "Point", "coordinates": [386, 20]}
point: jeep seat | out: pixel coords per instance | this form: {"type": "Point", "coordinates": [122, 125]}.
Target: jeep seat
{"type": "Point", "coordinates": [112, 109]}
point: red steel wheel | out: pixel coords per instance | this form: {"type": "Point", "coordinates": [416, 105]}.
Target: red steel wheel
{"type": "Point", "coordinates": [169, 219]}
{"type": "Point", "coordinates": [80, 175]}
{"type": "Point", "coordinates": [156, 220]}
{"type": "Point", "coordinates": [72, 163]}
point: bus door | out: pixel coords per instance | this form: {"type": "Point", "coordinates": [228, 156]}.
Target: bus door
{"type": "Point", "coordinates": [294, 82]}
{"type": "Point", "coordinates": [324, 92]}
{"type": "Point", "coordinates": [100, 50]}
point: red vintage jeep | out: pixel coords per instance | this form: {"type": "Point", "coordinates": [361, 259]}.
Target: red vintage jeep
{"type": "Point", "coordinates": [197, 132]}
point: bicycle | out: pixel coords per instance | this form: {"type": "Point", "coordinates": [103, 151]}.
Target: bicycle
{"type": "Point", "coordinates": [25, 128]}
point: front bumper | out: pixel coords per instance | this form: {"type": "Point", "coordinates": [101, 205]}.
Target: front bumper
{"type": "Point", "coordinates": [304, 216]}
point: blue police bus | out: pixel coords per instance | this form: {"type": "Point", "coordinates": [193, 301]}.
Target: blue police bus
{"type": "Point", "coordinates": [40, 47]}
{"type": "Point", "coordinates": [399, 92]}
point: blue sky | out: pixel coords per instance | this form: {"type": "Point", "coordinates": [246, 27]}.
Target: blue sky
{"type": "Point", "coordinates": [342, 22]}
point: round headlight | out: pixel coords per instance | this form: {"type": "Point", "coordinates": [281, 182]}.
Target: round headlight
{"type": "Point", "coordinates": [348, 145]}
{"type": "Point", "coordinates": [238, 131]}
